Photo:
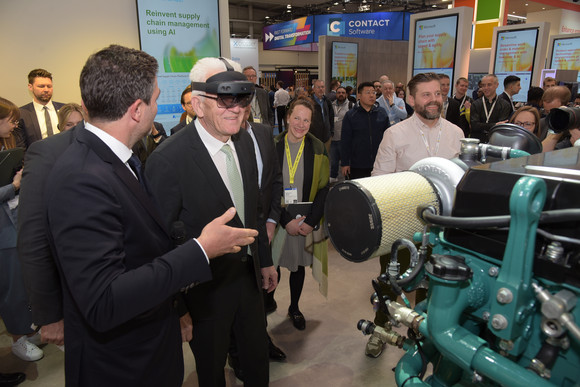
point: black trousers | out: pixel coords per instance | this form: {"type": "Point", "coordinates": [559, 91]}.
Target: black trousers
{"type": "Point", "coordinates": [281, 114]}
{"type": "Point", "coordinates": [237, 307]}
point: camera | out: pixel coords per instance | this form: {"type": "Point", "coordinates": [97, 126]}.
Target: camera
{"type": "Point", "coordinates": [563, 118]}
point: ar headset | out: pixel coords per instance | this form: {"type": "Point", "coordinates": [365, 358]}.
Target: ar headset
{"type": "Point", "coordinates": [232, 88]}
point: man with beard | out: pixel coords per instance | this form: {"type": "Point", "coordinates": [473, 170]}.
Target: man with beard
{"type": "Point", "coordinates": [38, 119]}
{"type": "Point", "coordinates": [424, 134]}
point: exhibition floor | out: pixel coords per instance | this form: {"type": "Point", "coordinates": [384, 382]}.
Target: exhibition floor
{"type": "Point", "coordinates": [330, 352]}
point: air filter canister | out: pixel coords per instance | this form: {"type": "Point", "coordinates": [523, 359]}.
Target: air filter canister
{"type": "Point", "coordinates": [365, 216]}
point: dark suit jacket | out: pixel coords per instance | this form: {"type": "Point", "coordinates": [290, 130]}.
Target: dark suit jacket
{"type": "Point", "coordinates": [452, 111]}
{"type": "Point", "coordinates": [505, 97]}
{"type": "Point", "coordinates": [265, 107]}
{"type": "Point", "coordinates": [322, 126]}
{"type": "Point", "coordinates": [118, 272]}
{"type": "Point", "coordinates": [189, 188]}
{"type": "Point", "coordinates": [271, 185]}
{"type": "Point", "coordinates": [28, 130]}
{"type": "Point", "coordinates": [144, 147]}
{"type": "Point", "coordinates": [479, 128]}
{"type": "Point", "coordinates": [178, 127]}
{"type": "Point", "coordinates": [41, 275]}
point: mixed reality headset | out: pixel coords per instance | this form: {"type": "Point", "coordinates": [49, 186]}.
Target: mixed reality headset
{"type": "Point", "coordinates": [232, 87]}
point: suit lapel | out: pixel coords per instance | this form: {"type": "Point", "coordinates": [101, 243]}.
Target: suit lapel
{"type": "Point", "coordinates": [121, 170]}
{"type": "Point", "coordinates": [33, 119]}
{"type": "Point", "coordinates": [247, 158]}
{"type": "Point", "coordinates": [205, 165]}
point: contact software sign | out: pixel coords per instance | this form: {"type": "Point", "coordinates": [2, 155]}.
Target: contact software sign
{"type": "Point", "coordinates": [377, 25]}
{"type": "Point", "coordinates": [294, 32]}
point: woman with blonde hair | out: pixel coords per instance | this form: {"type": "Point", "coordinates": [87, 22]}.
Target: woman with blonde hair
{"type": "Point", "coordinates": [13, 298]}
{"type": "Point", "coordinates": [300, 241]}
{"type": "Point", "coordinates": [69, 116]}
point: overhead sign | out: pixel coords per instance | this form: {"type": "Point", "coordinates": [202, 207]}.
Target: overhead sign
{"type": "Point", "coordinates": [294, 32]}
{"type": "Point", "coordinates": [376, 25]}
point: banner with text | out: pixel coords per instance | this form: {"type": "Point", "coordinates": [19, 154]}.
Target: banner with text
{"type": "Point", "coordinates": [515, 52]}
{"type": "Point", "coordinates": [177, 33]}
{"type": "Point", "coordinates": [376, 25]}
{"type": "Point", "coordinates": [294, 32]}
{"type": "Point", "coordinates": [344, 63]}
{"type": "Point", "coordinates": [434, 48]}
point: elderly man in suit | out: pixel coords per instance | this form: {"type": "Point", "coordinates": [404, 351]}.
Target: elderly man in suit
{"type": "Point", "coordinates": [119, 272]}
{"type": "Point", "coordinates": [197, 173]}
{"type": "Point", "coordinates": [38, 119]}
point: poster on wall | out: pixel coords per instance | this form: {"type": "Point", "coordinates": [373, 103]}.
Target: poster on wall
{"type": "Point", "coordinates": [344, 63]}
{"type": "Point", "coordinates": [515, 52]}
{"type": "Point", "coordinates": [435, 44]}
{"type": "Point", "coordinates": [177, 34]}
{"type": "Point", "coordinates": [566, 54]}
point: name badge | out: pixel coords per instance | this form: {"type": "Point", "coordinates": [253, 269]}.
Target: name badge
{"type": "Point", "coordinates": [290, 195]}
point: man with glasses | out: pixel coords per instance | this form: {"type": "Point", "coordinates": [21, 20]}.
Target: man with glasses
{"type": "Point", "coordinates": [362, 130]}
{"type": "Point", "coordinates": [261, 110]}
{"type": "Point", "coordinates": [200, 171]}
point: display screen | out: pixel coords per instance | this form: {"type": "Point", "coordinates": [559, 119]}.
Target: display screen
{"type": "Point", "coordinates": [515, 52]}
{"type": "Point", "coordinates": [566, 54]}
{"type": "Point", "coordinates": [434, 46]}
{"type": "Point", "coordinates": [344, 63]}
{"type": "Point", "coordinates": [177, 34]}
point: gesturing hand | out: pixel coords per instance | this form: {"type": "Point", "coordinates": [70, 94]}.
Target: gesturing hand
{"type": "Point", "coordinates": [218, 239]}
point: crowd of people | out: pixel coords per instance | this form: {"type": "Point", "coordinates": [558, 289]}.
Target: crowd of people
{"type": "Point", "coordinates": [128, 240]}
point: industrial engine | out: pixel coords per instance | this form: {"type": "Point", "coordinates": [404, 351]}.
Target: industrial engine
{"type": "Point", "coordinates": [497, 244]}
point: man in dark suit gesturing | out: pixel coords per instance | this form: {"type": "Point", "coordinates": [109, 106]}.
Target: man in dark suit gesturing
{"type": "Point", "coordinates": [119, 274]}
{"type": "Point", "coordinates": [38, 119]}
{"type": "Point", "coordinates": [207, 167]}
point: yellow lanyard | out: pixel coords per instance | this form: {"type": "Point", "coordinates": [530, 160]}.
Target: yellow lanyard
{"type": "Point", "coordinates": [292, 167]}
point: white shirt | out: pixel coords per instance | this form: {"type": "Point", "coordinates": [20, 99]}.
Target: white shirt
{"type": "Point", "coordinates": [117, 147]}
{"type": "Point", "coordinates": [404, 144]}
{"type": "Point", "coordinates": [281, 98]}
{"type": "Point", "coordinates": [214, 146]}
{"type": "Point", "coordinates": [39, 109]}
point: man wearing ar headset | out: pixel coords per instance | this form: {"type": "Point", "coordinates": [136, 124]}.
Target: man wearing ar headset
{"type": "Point", "coordinates": [208, 166]}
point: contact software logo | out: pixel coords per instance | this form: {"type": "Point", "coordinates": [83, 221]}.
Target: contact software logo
{"type": "Point", "coordinates": [335, 27]}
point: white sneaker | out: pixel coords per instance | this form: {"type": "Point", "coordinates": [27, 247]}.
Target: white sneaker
{"type": "Point", "coordinates": [36, 339]}
{"type": "Point", "coordinates": [26, 350]}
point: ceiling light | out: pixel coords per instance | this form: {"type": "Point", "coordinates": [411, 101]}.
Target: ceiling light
{"type": "Point", "coordinates": [288, 10]}
{"type": "Point", "coordinates": [543, 8]}
{"type": "Point", "coordinates": [267, 17]}
{"type": "Point", "coordinates": [526, 4]}
{"type": "Point", "coordinates": [289, 6]}
{"type": "Point", "coordinates": [434, 6]}
{"type": "Point", "coordinates": [336, 3]}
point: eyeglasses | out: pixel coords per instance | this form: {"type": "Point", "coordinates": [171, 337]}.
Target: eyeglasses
{"type": "Point", "coordinates": [14, 122]}
{"type": "Point", "coordinates": [228, 101]}
{"type": "Point", "coordinates": [525, 124]}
